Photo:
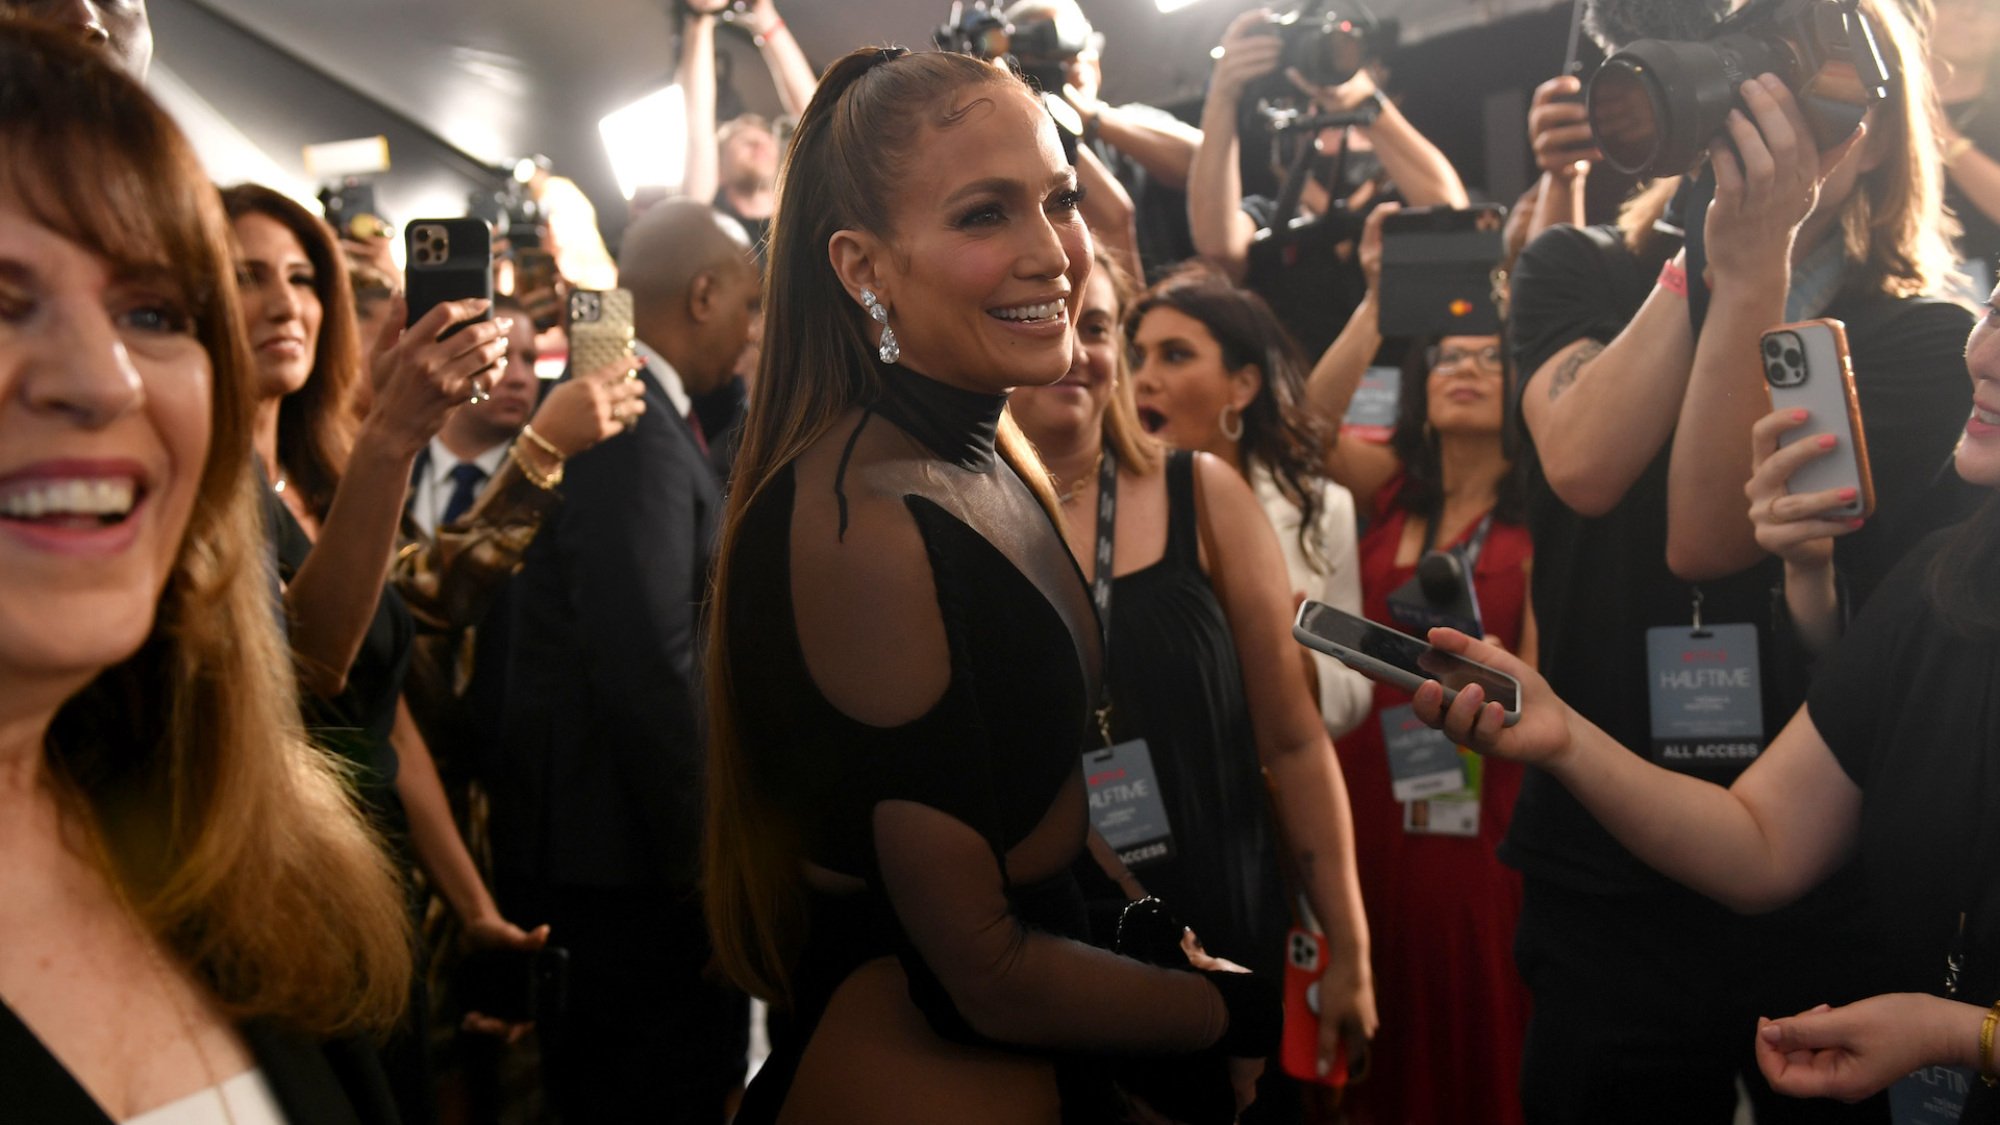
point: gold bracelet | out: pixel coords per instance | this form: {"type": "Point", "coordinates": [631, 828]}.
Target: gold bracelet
{"type": "Point", "coordinates": [544, 444]}
{"type": "Point", "coordinates": [1986, 1026]}
{"type": "Point", "coordinates": [546, 482]}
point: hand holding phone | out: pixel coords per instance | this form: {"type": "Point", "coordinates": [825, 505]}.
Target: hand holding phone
{"type": "Point", "coordinates": [1807, 372]}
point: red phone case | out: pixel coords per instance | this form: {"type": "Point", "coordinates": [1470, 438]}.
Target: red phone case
{"type": "Point", "coordinates": [1298, 1052]}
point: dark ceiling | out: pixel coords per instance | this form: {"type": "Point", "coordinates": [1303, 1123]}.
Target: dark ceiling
{"type": "Point", "coordinates": [497, 79]}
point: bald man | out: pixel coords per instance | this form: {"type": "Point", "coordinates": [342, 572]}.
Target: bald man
{"type": "Point", "coordinates": [597, 804]}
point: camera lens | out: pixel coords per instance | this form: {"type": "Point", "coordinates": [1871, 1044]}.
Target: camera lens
{"type": "Point", "coordinates": [1655, 105]}
{"type": "Point", "coordinates": [1792, 357]}
{"type": "Point", "coordinates": [1773, 349]}
{"type": "Point", "coordinates": [1778, 375]}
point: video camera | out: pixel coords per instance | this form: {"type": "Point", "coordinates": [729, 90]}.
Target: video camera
{"type": "Point", "coordinates": [1655, 105]}
{"type": "Point", "coordinates": [1038, 48]}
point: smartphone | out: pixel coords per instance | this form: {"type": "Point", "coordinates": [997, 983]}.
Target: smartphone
{"type": "Point", "coordinates": [1382, 653]}
{"type": "Point", "coordinates": [515, 985]}
{"type": "Point", "coordinates": [1298, 1049]}
{"type": "Point", "coordinates": [1806, 366]}
{"type": "Point", "coordinates": [449, 260]}
{"type": "Point", "coordinates": [600, 328]}
{"type": "Point", "coordinates": [1437, 271]}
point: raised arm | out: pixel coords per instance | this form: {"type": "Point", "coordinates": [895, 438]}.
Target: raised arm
{"type": "Point", "coordinates": [1161, 143]}
{"type": "Point", "coordinates": [1248, 571]}
{"type": "Point", "coordinates": [1362, 467]}
{"type": "Point", "coordinates": [1599, 413]}
{"type": "Point", "coordinates": [1559, 132]}
{"type": "Point", "coordinates": [1221, 230]}
{"type": "Point", "coordinates": [421, 379]}
{"type": "Point", "coordinates": [702, 174]}
{"type": "Point", "coordinates": [1972, 169]}
{"type": "Point", "coordinates": [1108, 211]}
{"type": "Point", "coordinates": [1784, 826]}
{"type": "Point", "coordinates": [790, 72]}
{"type": "Point", "coordinates": [1419, 169]}
{"type": "Point", "coordinates": [1761, 198]}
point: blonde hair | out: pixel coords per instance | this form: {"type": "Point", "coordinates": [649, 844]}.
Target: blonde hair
{"type": "Point", "coordinates": [853, 143]}
{"type": "Point", "coordinates": [232, 837]}
{"type": "Point", "coordinates": [1138, 451]}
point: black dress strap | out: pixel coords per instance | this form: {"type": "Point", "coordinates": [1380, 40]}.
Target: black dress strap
{"type": "Point", "coordinates": [1183, 533]}
{"type": "Point", "coordinates": [39, 1087]}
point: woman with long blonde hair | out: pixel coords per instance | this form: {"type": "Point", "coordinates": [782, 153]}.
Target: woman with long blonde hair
{"type": "Point", "coordinates": [189, 897]}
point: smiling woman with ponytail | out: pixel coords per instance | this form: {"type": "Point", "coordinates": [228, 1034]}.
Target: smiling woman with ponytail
{"type": "Point", "coordinates": [903, 658]}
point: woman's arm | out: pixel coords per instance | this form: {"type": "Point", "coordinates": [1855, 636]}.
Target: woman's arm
{"type": "Point", "coordinates": [1764, 189]}
{"type": "Point", "coordinates": [1310, 794]}
{"type": "Point", "coordinates": [1423, 175]}
{"type": "Point", "coordinates": [1854, 1051]}
{"type": "Point", "coordinates": [1161, 144]}
{"type": "Point", "coordinates": [790, 72]}
{"type": "Point", "coordinates": [1359, 466]}
{"type": "Point", "coordinates": [1798, 529]}
{"type": "Point", "coordinates": [1975, 172]}
{"type": "Point", "coordinates": [701, 174]}
{"type": "Point", "coordinates": [1108, 211]}
{"type": "Point", "coordinates": [1221, 230]}
{"type": "Point", "coordinates": [1786, 823]}
{"type": "Point", "coordinates": [332, 598]}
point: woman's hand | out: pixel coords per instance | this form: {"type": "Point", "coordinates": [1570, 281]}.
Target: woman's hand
{"type": "Point", "coordinates": [585, 409]}
{"type": "Point", "coordinates": [1768, 185]}
{"type": "Point", "coordinates": [1247, 53]}
{"type": "Point", "coordinates": [495, 932]}
{"type": "Point", "coordinates": [1540, 738]}
{"type": "Point", "coordinates": [1797, 527]}
{"type": "Point", "coordinates": [1559, 128]}
{"type": "Point", "coordinates": [1346, 1012]}
{"type": "Point", "coordinates": [420, 379]}
{"type": "Point", "coordinates": [1370, 250]}
{"type": "Point", "coordinates": [1854, 1051]}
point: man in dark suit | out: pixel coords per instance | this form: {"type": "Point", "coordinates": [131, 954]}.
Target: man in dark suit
{"type": "Point", "coordinates": [597, 814]}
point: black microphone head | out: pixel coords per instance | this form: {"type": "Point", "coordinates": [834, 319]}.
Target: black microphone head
{"type": "Point", "coordinates": [1613, 24]}
{"type": "Point", "coordinates": [1442, 576]}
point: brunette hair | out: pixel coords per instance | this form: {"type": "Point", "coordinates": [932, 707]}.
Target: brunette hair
{"type": "Point", "coordinates": [853, 146]}
{"type": "Point", "coordinates": [316, 422]}
{"type": "Point", "coordinates": [1420, 450]}
{"type": "Point", "coordinates": [1280, 436]}
{"type": "Point", "coordinates": [233, 839]}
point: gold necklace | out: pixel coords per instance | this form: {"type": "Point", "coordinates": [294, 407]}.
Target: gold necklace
{"type": "Point", "coordinates": [1077, 486]}
{"type": "Point", "coordinates": [158, 962]}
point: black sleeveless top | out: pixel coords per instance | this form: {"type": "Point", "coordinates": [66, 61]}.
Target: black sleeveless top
{"type": "Point", "coordinates": [991, 753]}
{"type": "Point", "coordinates": [1176, 682]}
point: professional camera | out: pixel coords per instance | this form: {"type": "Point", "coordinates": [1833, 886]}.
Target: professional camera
{"type": "Point", "coordinates": [1655, 105]}
{"type": "Point", "coordinates": [1325, 47]}
{"type": "Point", "coordinates": [1037, 48]}
{"type": "Point", "coordinates": [508, 207]}
{"type": "Point", "coordinates": [350, 209]}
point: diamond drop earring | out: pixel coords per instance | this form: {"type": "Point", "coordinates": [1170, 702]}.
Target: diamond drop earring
{"type": "Point", "coordinates": [890, 351]}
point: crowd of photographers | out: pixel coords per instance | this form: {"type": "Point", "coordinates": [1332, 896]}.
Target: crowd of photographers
{"type": "Point", "coordinates": [1544, 428]}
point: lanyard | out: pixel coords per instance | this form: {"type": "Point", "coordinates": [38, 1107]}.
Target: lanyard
{"type": "Point", "coordinates": [1100, 580]}
{"type": "Point", "coordinates": [1469, 552]}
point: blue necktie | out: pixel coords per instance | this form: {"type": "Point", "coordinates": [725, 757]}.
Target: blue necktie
{"type": "Point", "coordinates": [466, 478]}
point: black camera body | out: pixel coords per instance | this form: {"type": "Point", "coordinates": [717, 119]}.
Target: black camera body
{"type": "Point", "coordinates": [1655, 105]}
{"type": "Point", "coordinates": [1036, 48]}
{"type": "Point", "coordinates": [1324, 46]}
{"type": "Point", "coordinates": [350, 209]}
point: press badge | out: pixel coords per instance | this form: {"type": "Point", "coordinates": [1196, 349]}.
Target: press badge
{"type": "Point", "coordinates": [1422, 762]}
{"type": "Point", "coordinates": [1707, 696]}
{"type": "Point", "coordinates": [1934, 1095]}
{"type": "Point", "coordinates": [1449, 814]}
{"type": "Point", "coordinates": [1125, 803]}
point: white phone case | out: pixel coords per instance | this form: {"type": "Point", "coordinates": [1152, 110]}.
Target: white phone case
{"type": "Point", "coordinates": [1806, 367]}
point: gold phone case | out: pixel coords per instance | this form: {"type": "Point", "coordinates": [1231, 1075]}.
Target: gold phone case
{"type": "Point", "coordinates": [600, 328]}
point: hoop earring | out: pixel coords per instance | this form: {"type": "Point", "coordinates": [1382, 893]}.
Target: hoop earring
{"type": "Point", "coordinates": [1233, 433]}
{"type": "Point", "coordinates": [890, 350]}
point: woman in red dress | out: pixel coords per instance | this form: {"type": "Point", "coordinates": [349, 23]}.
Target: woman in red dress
{"type": "Point", "coordinates": [1440, 904]}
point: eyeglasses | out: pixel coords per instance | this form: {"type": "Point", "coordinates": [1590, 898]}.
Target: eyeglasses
{"type": "Point", "coordinates": [1444, 359]}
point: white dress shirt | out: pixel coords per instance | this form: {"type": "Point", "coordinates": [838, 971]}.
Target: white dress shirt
{"type": "Point", "coordinates": [1345, 695]}
{"type": "Point", "coordinates": [434, 485]}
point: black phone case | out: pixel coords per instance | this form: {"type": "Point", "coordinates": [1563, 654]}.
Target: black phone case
{"type": "Point", "coordinates": [451, 268]}
{"type": "Point", "coordinates": [515, 985]}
